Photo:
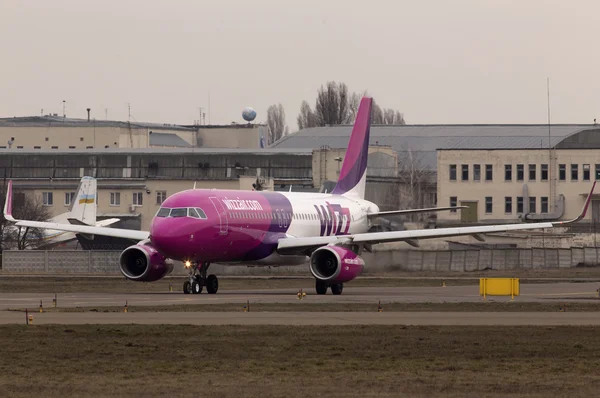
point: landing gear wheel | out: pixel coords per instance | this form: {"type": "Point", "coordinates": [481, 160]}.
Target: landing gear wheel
{"type": "Point", "coordinates": [337, 288]}
{"type": "Point", "coordinates": [187, 287]}
{"type": "Point", "coordinates": [212, 284]}
{"type": "Point", "coordinates": [321, 287]}
{"type": "Point", "coordinates": [196, 287]}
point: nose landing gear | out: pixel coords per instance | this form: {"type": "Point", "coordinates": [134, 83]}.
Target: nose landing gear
{"type": "Point", "coordinates": [198, 280]}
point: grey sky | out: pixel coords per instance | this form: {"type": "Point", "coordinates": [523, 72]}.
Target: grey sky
{"type": "Point", "coordinates": [460, 61]}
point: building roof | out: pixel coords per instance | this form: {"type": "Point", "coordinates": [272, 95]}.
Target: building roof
{"type": "Point", "coordinates": [53, 120]}
{"type": "Point", "coordinates": [157, 151]}
{"type": "Point", "coordinates": [168, 140]}
{"type": "Point", "coordinates": [427, 139]}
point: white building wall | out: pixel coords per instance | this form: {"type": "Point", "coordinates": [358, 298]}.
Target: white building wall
{"type": "Point", "coordinates": [573, 189]}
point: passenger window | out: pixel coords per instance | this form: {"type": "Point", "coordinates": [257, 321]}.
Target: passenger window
{"type": "Point", "coordinates": [178, 212]}
{"type": "Point", "coordinates": [163, 212]}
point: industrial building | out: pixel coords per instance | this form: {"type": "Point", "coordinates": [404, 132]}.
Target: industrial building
{"type": "Point", "coordinates": [52, 132]}
{"type": "Point", "coordinates": [484, 167]}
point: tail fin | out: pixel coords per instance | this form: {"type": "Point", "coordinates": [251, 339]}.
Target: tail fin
{"type": "Point", "coordinates": [354, 169]}
{"type": "Point", "coordinates": [83, 205]}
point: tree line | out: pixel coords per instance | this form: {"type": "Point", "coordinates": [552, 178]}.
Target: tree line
{"type": "Point", "coordinates": [334, 105]}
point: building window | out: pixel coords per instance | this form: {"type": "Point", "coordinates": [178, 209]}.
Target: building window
{"type": "Point", "coordinates": [520, 172]}
{"type": "Point", "coordinates": [138, 198]}
{"type": "Point", "coordinates": [508, 205]}
{"type": "Point", "coordinates": [69, 198]}
{"type": "Point", "coordinates": [532, 204]}
{"type": "Point", "coordinates": [47, 198]}
{"type": "Point", "coordinates": [465, 172]}
{"type": "Point", "coordinates": [476, 172]}
{"type": "Point", "coordinates": [508, 172]}
{"type": "Point", "coordinates": [562, 172]}
{"type": "Point", "coordinates": [544, 172]}
{"type": "Point", "coordinates": [115, 198]}
{"type": "Point", "coordinates": [586, 172]}
{"type": "Point", "coordinates": [519, 204]}
{"type": "Point", "coordinates": [161, 196]}
{"type": "Point", "coordinates": [597, 172]}
{"type": "Point", "coordinates": [452, 172]}
{"type": "Point", "coordinates": [532, 170]}
{"type": "Point", "coordinates": [453, 202]}
{"type": "Point", "coordinates": [488, 172]}
{"type": "Point", "coordinates": [544, 204]}
{"type": "Point", "coordinates": [488, 204]}
{"type": "Point", "coordinates": [574, 172]}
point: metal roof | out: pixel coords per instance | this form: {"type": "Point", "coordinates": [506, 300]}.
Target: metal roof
{"type": "Point", "coordinates": [168, 140]}
{"type": "Point", "coordinates": [49, 120]}
{"type": "Point", "coordinates": [158, 151]}
{"type": "Point", "coordinates": [427, 139]}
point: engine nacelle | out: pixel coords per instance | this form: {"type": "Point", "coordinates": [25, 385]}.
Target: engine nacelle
{"type": "Point", "coordinates": [144, 263]}
{"type": "Point", "coordinates": [335, 264]}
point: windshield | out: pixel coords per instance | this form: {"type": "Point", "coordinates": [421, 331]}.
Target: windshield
{"type": "Point", "coordinates": [178, 212]}
{"type": "Point", "coordinates": [163, 212]}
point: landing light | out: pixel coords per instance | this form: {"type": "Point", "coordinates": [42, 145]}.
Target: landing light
{"type": "Point", "coordinates": [188, 264]}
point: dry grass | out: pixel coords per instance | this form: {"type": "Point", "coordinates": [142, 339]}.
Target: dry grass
{"type": "Point", "coordinates": [345, 307]}
{"type": "Point", "coordinates": [275, 361]}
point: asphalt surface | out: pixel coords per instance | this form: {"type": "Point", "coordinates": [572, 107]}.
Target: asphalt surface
{"type": "Point", "coordinates": [538, 292]}
{"type": "Point", "coordinates": [315, 318]}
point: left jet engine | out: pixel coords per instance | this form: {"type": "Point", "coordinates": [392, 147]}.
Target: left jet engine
{"type": "Point", "coordinates": [143, 263]}
{"type": "Point", "coordinates": [335, 264]}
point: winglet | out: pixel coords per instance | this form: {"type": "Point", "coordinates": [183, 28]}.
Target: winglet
{"type": "Point", "coordinates": [8, 203]}
{"type": "Point", "coordinates": [583, 210]}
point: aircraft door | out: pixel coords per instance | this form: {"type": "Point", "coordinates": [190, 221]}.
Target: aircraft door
{"type": "Point", "coordinates": [222, 213]}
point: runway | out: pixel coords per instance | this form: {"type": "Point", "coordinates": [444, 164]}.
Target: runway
{"type": "Point", "coordinates": [312, 318]}
{"type": "Point", "coordinates": [537, 292]}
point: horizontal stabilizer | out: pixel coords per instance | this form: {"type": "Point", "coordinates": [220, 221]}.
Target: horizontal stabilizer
{"type": "Point", "coordinates": [412, 211]}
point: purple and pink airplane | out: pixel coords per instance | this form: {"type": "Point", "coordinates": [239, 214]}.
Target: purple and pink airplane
{"type": "Point", "coordinates": [262, 228]}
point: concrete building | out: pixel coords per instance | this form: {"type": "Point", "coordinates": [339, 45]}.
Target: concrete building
{"type": "Point", "coordinates": [511, 185]}
{"type": "Point", "coordinates": [133, 182]}
{"type": "Point", "coordinates": [416, 184]}
{"type": "Point", "coordinates": [52, 132]}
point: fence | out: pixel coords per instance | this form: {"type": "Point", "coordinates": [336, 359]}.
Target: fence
{"type": "Point", "coordinates": [107, 262]}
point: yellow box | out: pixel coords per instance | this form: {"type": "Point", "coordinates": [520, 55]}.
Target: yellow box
{"type": "Point", "coordinates": [499, 287]}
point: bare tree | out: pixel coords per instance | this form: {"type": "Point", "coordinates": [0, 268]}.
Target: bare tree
{"type": "Point", "coordinates": [416, 179]}
{"type": "Point", "coordinates": [391, 116]}
{"type": "Point", "coordinates": [306, 118]}
{"type": "Point", "coordinates": [334, 106]}
{"type": "Point", "coordinates": [276, 122]}
{"type": "Point", "coordinates": [26, 208]}
{"type": "Point", "coordinates": [331, 107]}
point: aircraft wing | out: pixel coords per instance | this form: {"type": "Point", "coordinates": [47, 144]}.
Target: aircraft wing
{"type": "Point", "coordinates": [81, 229]}
{"type": "Point", "coordinates": [409, 211]}
{"type": "Point", "coordinates": [302, 245]}
{"type": "Point", "coordinates": [107, 222]}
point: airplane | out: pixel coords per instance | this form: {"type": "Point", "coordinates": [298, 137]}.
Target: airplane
{"type": "Point", "coordinates": [82, 211]}
{"type": "Point", "coordinates": [329, 231]}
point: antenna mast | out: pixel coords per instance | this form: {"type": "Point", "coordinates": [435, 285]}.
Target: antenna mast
{"type": "Point", "coordinates": [551, 164]}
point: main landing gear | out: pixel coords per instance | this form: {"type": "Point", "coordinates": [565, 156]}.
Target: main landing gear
{"type": "Point", "coordinates": [198, 280]}
{"type": "Point", "coordinates": [321, 287]}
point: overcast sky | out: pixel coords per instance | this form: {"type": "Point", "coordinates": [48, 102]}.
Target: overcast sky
{"type": "Point", "coordinates": [459, 61]}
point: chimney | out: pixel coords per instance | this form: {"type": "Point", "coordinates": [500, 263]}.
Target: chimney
{"type": "Point", "coordinates": [88, 110]}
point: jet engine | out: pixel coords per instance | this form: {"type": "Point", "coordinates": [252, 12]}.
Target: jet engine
{"type": "Point", "coordinates": [335, 264]}
{"type": "Point", "coordinates": [144, 263]}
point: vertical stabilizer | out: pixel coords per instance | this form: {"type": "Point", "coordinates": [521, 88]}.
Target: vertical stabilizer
{"type": "Point", "coordinates": [83, 205]}
{"type": "Point", "coordinates": [353, 174]}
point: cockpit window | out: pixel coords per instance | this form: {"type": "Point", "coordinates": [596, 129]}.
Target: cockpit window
{"type": "Point", "coordinates": [163, 212]}
{"type": "Point", "coordinates": [179, 212]}
{"type": "Point", "coordinates": [193, 213]}
{"type": "Point", "coordinates": [201, 213]}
